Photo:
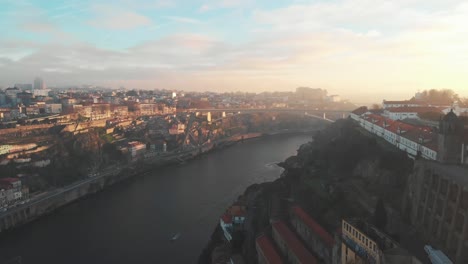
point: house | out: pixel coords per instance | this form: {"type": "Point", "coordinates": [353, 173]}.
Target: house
{"type": "Point", "coordinates": [238, 214]}
{"type": "Point", "coordinates": [314, 235]}
{"type": "Point", "coordinates": [356, 114]}
{"type": "Point", "coordinates": [413, 139]}
{"type": "Point", "coordinates": [266, 251]}
{"type": "Point", "coordinates": [400, 113]}
{"type": "Point", "coordinates": [290, 245]}
{"type": "Point", "coordinates": [10, 189]}
{"type": "Point", "coordinates": [233, 219]}
{"type": "Point", "coordinates": [136, 149]}
{"type": "Point", "coordinates": [225, 222]}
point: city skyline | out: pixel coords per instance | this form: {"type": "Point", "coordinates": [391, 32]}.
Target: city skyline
{"type": "Point", "coordinates": [382, 50]}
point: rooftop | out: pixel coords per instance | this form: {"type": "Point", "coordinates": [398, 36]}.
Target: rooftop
{"type": "Point", "coordinates": [293, 243]}
{"type": "Point", "coordinates": [414, 109]}
{"type": "Point", "coordinates": [226, 218]}
{"type": "Point", "coordinates": [9, 180]}
{"type": "Point", "coordinates": [312, 224]}
{"type": "Point", "coordinates": [268, 250]}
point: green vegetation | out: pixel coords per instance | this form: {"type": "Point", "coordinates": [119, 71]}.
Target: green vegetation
{"type": "Point", "coordinates": [442, 96]}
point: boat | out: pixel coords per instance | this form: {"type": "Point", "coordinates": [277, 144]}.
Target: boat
{"type": "Point", "coordinates": [175, 237]}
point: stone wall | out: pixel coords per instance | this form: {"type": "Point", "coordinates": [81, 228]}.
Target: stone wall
{"type": "Point", "coordinates": [436, 203]}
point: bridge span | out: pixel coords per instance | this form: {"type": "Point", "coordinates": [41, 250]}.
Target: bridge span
{"type": "Point", "coordinates": [323, 114]}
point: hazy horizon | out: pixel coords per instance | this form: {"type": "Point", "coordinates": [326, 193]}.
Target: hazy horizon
{"type": "Point", "coordinates": [363, 50]}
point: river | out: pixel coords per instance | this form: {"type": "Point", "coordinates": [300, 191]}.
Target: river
{"type": "Point", "coordinates": [133, 221]}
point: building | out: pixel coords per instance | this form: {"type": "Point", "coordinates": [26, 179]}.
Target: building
{"type": "Point", "coordinates": [41, 92]}
{"type": "Point", "coordinates": [10, 191]}
{"type": "Point", "coordinates": [450, 142]}
{"type": "Point", "coordinates": [136, 149]}
{"type": "Point", "coordinates": [266, 251]}
{"type": "Point", "coordinates": [401, 113]}
{"type": "Point", "coordinates": [364, 243]}
{"type": "Point", "coordinates": [24, 86]}
{"type": "Point", "coordinates": [437, 256]}
{"type": "Point", "coordinates": [177, 129]}
{"type": "Point", "coordinates": [311, 94]}
{"type": "Point", "coordinates": [459, 111]}
{"type": "Point", "coordinates": [100, 111]}
{"type": "Point", "coordinates": [290, 246]}
{"type": "Point", "coordinates": [334, 98]}
{"type": "Point", "coordinates": [356, 114]}
{"type": "Point", "coordinates": [232, 220]}
{"type": "Point", "coordinates": [405, 103]}
{"type": "Point", "coordinates": [225, 221]}
{"type": "Point", "coordinates": [39, 84]}
{"type": "Point", "coordinates": [436, 203]}
{"type": "Point", "coordinates": [238, 213]}
{"type": "Point", "coordinates": [23, 147]}
{"type": "Point", "coordinates": [11, 94]}
{"type": "Point", "coordinates": [412, 139]}
{"type": "Point", "coordinates": [5, 149]}
{"type": "Point", "coordinates": [53, 108]}
{"type": "Point", "coordinates": [149, 109]}
{"type": "Point", "coordinates": [32, 110]}
{"type": "Point", "coordinates": [314, 235]}
{"type": "Point", "coordinates": [2, 98]}
{"type": "Point", "coordinates": [119, 110]}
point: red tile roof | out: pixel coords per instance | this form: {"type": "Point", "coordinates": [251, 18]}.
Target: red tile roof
{"type": "Point", "coordinates": [268, 250]}
{"type": "Point", "coordinates": [227, 219]}
{"type": "Point", "coordinates": [237, 210]}
{"type": "Point", "coordinates": [361, 110]}
{"type": "Point", "coordinates": [314, 226]}
{"type": "Point", "coordinates": [9, 180]}
{"type": "Point", "coordinates": [293, 243]}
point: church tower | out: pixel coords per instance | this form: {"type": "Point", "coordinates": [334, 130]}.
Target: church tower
{"type": "Point", "coordinates": [450, 133]}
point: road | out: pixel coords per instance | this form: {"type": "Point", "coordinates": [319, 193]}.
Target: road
{"type": "Point", "coordinates": [59, 191]}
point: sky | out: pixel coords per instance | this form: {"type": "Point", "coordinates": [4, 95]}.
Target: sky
{"type": "Point", "coordinates": [364, 50]}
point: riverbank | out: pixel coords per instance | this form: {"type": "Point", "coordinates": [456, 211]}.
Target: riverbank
{"type": "Point", "coordinates": [50, 201]}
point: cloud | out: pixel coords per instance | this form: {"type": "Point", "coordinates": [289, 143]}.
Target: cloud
{"type": "Point", "coordinates": [186, 20]}
{"type": "Point", "coordinates": [221, 4]}
{"type": "Point", "coordinates": [344, 46]}
{"type": "Point", "coordinates": [117, 19]}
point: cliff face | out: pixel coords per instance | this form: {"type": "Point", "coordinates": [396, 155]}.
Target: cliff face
{"type": "Point", "coordinates": [341, 174]}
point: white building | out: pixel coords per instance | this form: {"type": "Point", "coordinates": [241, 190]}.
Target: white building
{"type": "Point", "coordinates": [42, 92]}
{"type": "Point", "coordinates": [136, 149]}
{"type": "Point", "coordinates": [393, 104]}
{"type": "Point", "coordinates": [53, 108]}
{"type": "Point", "coordinates": [5, 149]}
{"type": "Point", "coordinates": [411, 139]}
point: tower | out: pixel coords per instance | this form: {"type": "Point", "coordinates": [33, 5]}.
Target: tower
{"type": "Point", "coordinates": [449, 143]}
{"type": "Point", "coordinates": [39, 84]}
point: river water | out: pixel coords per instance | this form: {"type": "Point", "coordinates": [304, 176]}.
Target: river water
{"type": "Point", "coordinates": [134, 221]}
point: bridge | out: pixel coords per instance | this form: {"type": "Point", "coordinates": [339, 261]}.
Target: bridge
{"type": "Point", "coordinates": [194, 137]}
{"type": "Point", "coordinates": [323, 114]}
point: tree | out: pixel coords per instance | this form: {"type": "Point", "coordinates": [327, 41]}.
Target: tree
{"type": "Point", "coordinates": [380, 215]}
{"type": "Point", "coordinates": [376, 107]}
{"type": "Point", "coordinates": [443, 96]}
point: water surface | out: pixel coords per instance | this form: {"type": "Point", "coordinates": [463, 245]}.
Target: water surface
{"type": "Point", "coordinates": [134, 221]}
